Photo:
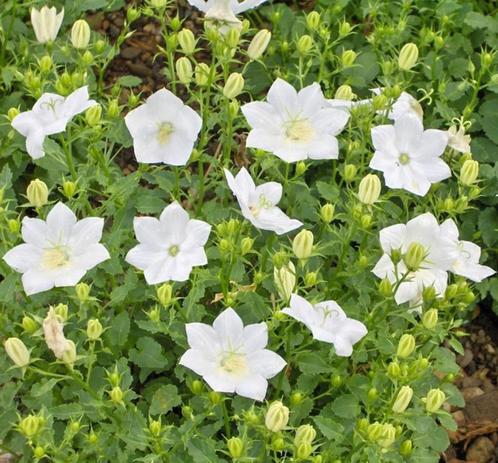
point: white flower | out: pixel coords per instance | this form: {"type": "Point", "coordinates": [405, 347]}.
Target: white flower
{"type": "Point", "coordinates": [440, 255]}
{"type": "Point", "coordinates": [169, 247]}
{"type": "Point", "coordinates": [408, 155]}
{"type": "Point", "coordinates": [46, 23]}
{"type": "Point", "coordinates": [58, 251]}
{"type": "Point", "coordinates": [53, 330]}
{"type": "Point", "coordinates": [295, 125]}
{"type": "Point", "coordinates": [467, 262]}
{"type": "Point", "coordinates": [404, 104]}
{"type": "Point", "coordinates": [458, 140]}
{"type": "Point", "coordinates": [164, 129]}
{"type": "Point", "coordinates": [223, 12]}
{"type": "Point", "coordinates": [259, 203]}
{"type": "Point", "coordinates": [232, 357]}
{"type": "Point", "coordinates": [50, 115]}
{"type": "Point", "coordinates": [328, 323]}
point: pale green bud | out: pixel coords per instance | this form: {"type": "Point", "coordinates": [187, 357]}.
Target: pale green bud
{"type": "Point", "coordinates": [29, 325]}
{"type": "Point", "coordinates": [187, 41]}
{"type": "Point", "coordinates": [369, 189]}
{"type": "Point", "coordinates": [277, 444]}
{"type": "Point", "coordinates": [434, 400]}
{"type": "Point", "coordinates": [215, 397]}
{"type": "Point", "coordinates": [304, 450]}
{"type": "Point", "coordinates": [259, 44]}
{"type": "Point", "coordinates": [429, 319]}
{"type": "Point", "coordinates": [116, 394]}
{"type": "Point", "coordinates": [406, 346]}
{"type": "Point", "coordinates": [93, 115]}
{"type": "Point", "coordinates": [30, 426]}
{"type": "Point", "coordinates": [82, 291]}
{"type": "Point", "coordinates": [246, 245]}
{"type": "Point", "coordinates": [408, 56]}
{"type": "Point", "coordinates": [305, 434]}
{"type": "Point", "coordinates": [406, 448]}
{"type": "Point", "coordinates": [232, 37]}
{"type": "Point", "coordinates": [113, 110]}
{"type": "Point", "coordinates": [344, 92]}
{"type": "Point", "coordinates": [394, 370]}
{"type": "Point", "coordinates": [45, 64]}
{"type": "Point", "coordinates": [155, 427]}
{"type": "Point", "coordinates": [14, 225]}
{"type": "Point", "coordinates": [388, 436]}
{"type": "Point", "coordinates": [18, 352]}
{"type": "Point", "coordinates": [277, 416]}
{"type": "Point", "coordinates": [304, 44]}
{"type": "Point", "coordinates": [61, 310]}
{"type": "Point", "coordinates": [39, 452]}
{"type": "Point", "coordinates": [300, 168]}
{"type": "Point", "coordinates": [184, 70]}
{"type": "Point", "coordinates": [310, 279]}
{"type": "Point", "coordinates": [197, 387]}
{"type": "Point", "coordinates": [374, 431]}
{"type": "Point", "coordinates": [37, 193]}
{"type": "Point", "coordinates": [235, 447]}
{"type": "Point", "coordinates": [201, 74]}
{"type": "Point", "coordinates": [313, 20]}
{"type": "Point", "coordinates": [12, 113]}
{"type": "Point", "coordinates": [348, 58]}
{"type": "Point", "coordinates": [469, 172]}
{"type": "Point", "coordinates": [164, 293]}
{"type": "Point", "coordinates": [285, 280]}
{"type": "Point", "coordinates": [344, 28]}
{"type": "Point", "coordinates": [327, 212]}
{"type": "Point", "coordinates": [350, 171]}
{"type": "Point", "coordinates": [233, 86]}
{"type": "Point", "coordinates": [302, 245]}
{"type": "Point", "coordinates": [385, 288]}
{"type": "Point", "coordinates": [68, 188]}
{"type": "Point", "coordinates": [69, 355]}
{"type": "Point", "coordinates": [94, 329]}
{"type": "Point", "coordinates": [80, 34]}
{"type": "Point", "coordinates": [414, 256]}
{"type": "Point", "coordinates": [403, 399]}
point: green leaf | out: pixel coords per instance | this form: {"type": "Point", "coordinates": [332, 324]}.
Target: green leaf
{"type": "Point", "coordinates": [346, 406]}
{"type": "Point", "coordinates": [330, 429]}
{"type": "Point", "coordinates": [312, 363]}
{"type": "Point", "coordinates": [117, 335]}
{"type": "Point", "coordinates": [45, 387]}
{"type": "Point", "coordinates": [164, 399]}
{"type": "Point", "coordinates": [129, 81]}
{"type": "Point", "coordinates": [149, 354]}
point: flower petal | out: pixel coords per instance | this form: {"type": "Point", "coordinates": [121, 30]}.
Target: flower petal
{"type": "Point", "coordinates": [255, 337]}
{"type": "Point", "coordinates": [229, 327]}
{"type": "Point", "coordinates": [23, 257]}
{"type": "Point", "coordinates": [253, 387]}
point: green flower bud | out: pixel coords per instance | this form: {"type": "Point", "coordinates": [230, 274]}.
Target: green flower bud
{"type": "Point", "coordinates": [300, 168]}
{"type": "Point", "coordinates": [250, 417]}
{"type": "Point", "coordinates": [187, 41]}
{"type": "Point", "coordinates": [406, 346]}
{"type": "Point", "coordinates": [310, 279]}
{"type": "Point", "coordinates": [313, 20]}
{"type": "Point", "coordinates": [403, 399]}
{"type": "Point", "coordinates": [350, 171]}
{"type": "Point", "coordinates": [233, 86]}
{"type": "Point", "coordinates": [469, 172]}
{"type": "Point", "coordinates": [235, 447]}
{"type": "Point", "coordinates": [344, 92]}
{"type": "Point", "coordinates": [429, 294]}
{"type": "Point", "coordinates": [18, 352]}
{"type": "Point", "coordinates": [372, 394]}
{"type": "Point", "coordinates": [93, 115]}
{"type": "Point", "coordinates": [388, 436]}
{"type": "Point", "coordinates": [277, 444]}
{"type": "Point", "coordinates": [406, 448]}
{"type": "Point", "coordinates": [304, 44]}
{"type": "Point", "coordinates": [14, 225]}
{"type": "Point", "coordinates": [197, 387]}
{"type": "Point", "coordinates": [155, 427]}
{"type": "Point", "coordinates": [61, 310]}
{"type": "Point", "coordinates": [486, 59]}
{"type": "Point", "coordinates": [344, 29]}
{"type": "Point", "coordinates": [362, 425]}
{"type": "Point", "coordinates": [116, 394]}
{"type": "Point", "coordinates": [385, 288]}
{"type": "Point", "coordinates": [327, 212]}
{"type": "Point", "coordinates": [74, 427]}
{"type": "Point", "coordinates": [366, 221]}
{"type": "Point", "coordinates": [154, 314]}
{"type": "Point", "coordinates": [68, 188]}
{"type": "Point", "coordinates": [304, 450]}
{"type": "Point", "coordinates": [175, 22]}
{"type": "Point", "coordinates": [87, 57]}
{"type": "Point", "coordinates": [215, 397]}
{"type": "Point", "coordinates": [82, 292]}
{"type": "Point", "coordinates": [414, 256]}
{"type": "Point", "coordinates": [336, 380]}
{"type": "Point", "coordinates": [296, 398]}
{"type": "Point", "coordinates": [69, 355]}
{"type": "Point", "coordinates": [363, 261]}
{"type": "Point", "coordinates": [80, 34]}
{"type": "Point", "coordinates": [164, 294]}
{"type": "Point", "coordinates": [184, 70]}
{"type": "Point", "coordinates": [30, 426]}
{"type": "Point", "coordinates": [94, 329]}
{"type": "Point", "coordinates": [233, 108]}
{"type": "Point", "coordinates": [379, 102]}
{"type": "Point", "coordinates": [429, 319]}
{"type": "Point", "coordinates": [435, 398]}
{"type": "Point", "coordinates": [114, 378]}
{"type": "Point", "coordinates": [92, 438]}
{"type": "Point", "coordinates": [232, 37]}
{"type": "Point", "coordinates": [305, 434]}
{"type": "Point", "coordinates": [29, 325]}
{"type": "Point", "coordinates": [348, 58]}
{"type": "Point", "coordinates": [280, 259]}
{"type": "Point", "coordinates": [285, 280]}
{"type": "Point", "coordinates": [277, 416]}
{"type": "Point", "coordinates": [45, 64]}
{"type": "Point", "coordinates": [132, 14]}
{"type": "Point", "coordinates": [37, 193]}
{"type": "Point", "coordinates": [12, 113]}
{"type": "Point", "coordinates": [258, 44]}
{"type": "Point", "coordinates": [302, 244]}
{"type": "Point", "coordinates": [39, 452]}
{"type": "Point", "coordinates": [394, 370]}
{"type": "Point", "coordinates": [408, 56]}
{"type": "Point", "coordinates": [319, 459]}
{"type": "Point", "coordinates": [374, 431]}
{"type": "Point", "coordinates": [113, 110]}
{"type": "Point", "coordinates": [369, 189]}
{"type": "Point", "coordinates": [246, 245]}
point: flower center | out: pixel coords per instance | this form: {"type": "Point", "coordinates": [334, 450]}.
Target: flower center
{"type": "Point", "coordinates": [164, 132]}
{"type": "Point", "coordinates": [404, 159]}
{"type": "Point", "coordinates": [55, 257]}
{"type": "Point", "coordinates": [262, 204]}
{"type": "Point", "coordinates": [299, 130]}
{"type": "Point", "coordinates": [173, 250]}
{"type": "Point", "coordinates": [234, 364]}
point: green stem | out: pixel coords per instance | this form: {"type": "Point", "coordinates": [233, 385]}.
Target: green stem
{"type": "Point", "coordinates": [226, 419]}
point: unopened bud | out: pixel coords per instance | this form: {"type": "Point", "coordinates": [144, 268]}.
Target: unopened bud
{"type": "Point", "coordinates": [344, 28]}
{"type": "Point", "coordinates": [233, 86]}
{"type": "Point", "coordinates": [469, 172]}
{"type": "Point", "coordinates": [348, 58]}
{"type": "Point", "coordinates": [246, 245]}
{"type": "Point", "coordinates": [285, 280]}
{"type": "Point", "coordinates": [302, 245]}
{"type": "Point", "coordinates": [113, 110]}
{"type": "Point", "coordinates": [18, 352]}
{"type": "Point", "coordinates": [232, 37]}
{"type": "Point", "coordinates": [344, 92]}
{"type": "Point", "coordinates": [304, 44]}
{"type": "Point", "coordinates": [259, 44]}
{"type": "Point", "coordinates": [406, 448]}
{"type": "Point", "coordinates": [164, 293]}
{"type": "Point", "coordinates": [82, 292]}
{"type": "Point", "coordinates": [235, 447]}
{"type": "Point", "coordinates": [369, 189]}
{"type": "Point", "coordinates": [414, 256]}
{"type": "Point", "coordinates": [94, 329]}
{"type": "Point", "coordinates": [187, 41]}
{"type": "Point", "coordinates": [435, 398]}
{"type": "Point", "coordinates": [304, 450]}
{"type": "Point", "coordinates": [69, 354]}
{"type": "Point", "coordinates": [12, 113]}
{"type": "Point", "coordinates": [155, 427]}
{"type": "Point", "coordinates": [406, 346]}
{"type": "Point", "coordinates": [327, 212]}
{"type": "Point", "coordinates": [403, 399]}
{"type": "Point", "coordinates": [305, 434]}
{"type": "Point", "coordinates": [37, 193]}
{"type": "Point", "coordinates": [93, 115]}
{"type": "Point", "coordinates": [68, 188]}
{"type": "Point", "coordinates": [349, 172]}
{"type": "Point", "coordinates": [385, 288]}
{"type": "Point", "coordinates": [184, 70]}
{"type": "Point", "coordinates": [310, 279]}
{"type": "Point", "coordinates": [30, 426]}
{"type": "Point", "coordinates": [29, 325]}
{"type": "Point", "coordinates": [80, 34]}
{"type": "Point", "coordinates": [313, 20]}
{"type": "Point", "coordinates": [408, 56]}
{"type": "Point", "coordinates": [45, 64]}
{"type": "Point", "coordinates": [429, 319]}
{"type": "Point", "coordinates": [277, 416]}
{"type": "Point", "coordinates": [116, 395]}
{"type": "Point", "coordinates": [394, 370]}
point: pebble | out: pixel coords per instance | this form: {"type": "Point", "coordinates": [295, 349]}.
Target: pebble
{"type": "Point", "coordinates": [471, 392]}
{"type": "Point", "coordinates": [482, 450]}
{"type": "Point", "coordinates": [466, 358]}
{"type": "Point", "coordinates": [130, 52]}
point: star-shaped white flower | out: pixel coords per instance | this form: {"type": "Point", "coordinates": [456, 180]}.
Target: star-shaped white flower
{"type": "Point", "coordinates": [50, 115]}
{"type": "Point", "coordinates": [295, 125]}
{"type": "Point", "coordinates": [458, 140]}
{"type": "Point", "coordinates": [404, 104]}
{"type": "Point", "coordinates": [408, 155]}
{"type": "Point", "coordinates": [232, 357]}
{"type": "Point", "coordinates": [440, 255]}
{"type": "Point", "coordinates": [328, 323]}
{"type": "Point", "coordinates": [223, 12]}
{"type": "Point", "coordinates": [258, 204]}
{"type": "Point", "coordinates": [468, 254]}
{"type": "Point", "coordinates": [58, 251]}
{"type": "Point", "coordinates": [46, 23]}
{"type": "Point", "coordinates": [164, 129]}
{"type": "Point", "coordinates": [169, 247]}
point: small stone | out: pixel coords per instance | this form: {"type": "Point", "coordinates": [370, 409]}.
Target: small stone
{"type": "Point", "coordinates": [466, 358]}
{"type": "Point", "coordinates": [471, 392]}
{"type": "Point", "coordinates": [130, 52]}
{"type": "Point", "coordinates": [482, 450]}
{"type": "Point", "coordinates": [459, 418]}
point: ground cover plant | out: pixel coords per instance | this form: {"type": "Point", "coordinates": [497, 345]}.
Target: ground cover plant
{"type": "Point", "coordinates": [309, 220]}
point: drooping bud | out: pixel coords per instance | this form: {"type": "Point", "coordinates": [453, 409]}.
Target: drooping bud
{"type": "Point", "coordinates": [94, 329]}
{"type": "Point", "coordinates": [369, 189]}
{"type": "Point", "coordinates": [233, 86]}
{"type": "Point", "coordinates": [429, 319]}
{"type": "Point", "coordinates": [18, 352]}
{"type": "Point", "coordinates": [37, 193]}
{"type": "Point", "coordinates": [408, 56]}
{"type": "Point", "coordinates": [187, 41]}
{"type": "Point", "coordinates": [184, 70]}
{"type": "Point", "coordinates": [235, 447]}
{"type": "Point", "coordinates": [259, 44]}
{"type": "Point", "coordinates": [406, 346]}
{"type": "Point", "coordinates": [403, 399]}
{"type": "Point", "coordinates": [277, 416]}
{"type": "Point", "coordinates": [80, 34]}
{"type": "Point", "coordinates": [414, 256]}
{"type": "Point", "coordinates": [285, 280]}
{"type": "Point", "coordinates": [469, 172]}
{"type": "Point", "coordinates": [302, 245]}
{"type": "Point", "coordinates": [435, 398]}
